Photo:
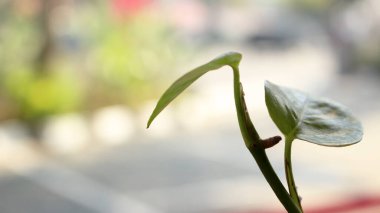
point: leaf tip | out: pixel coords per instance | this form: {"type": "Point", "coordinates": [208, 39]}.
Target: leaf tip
{"type": "Point", "coordinates": [149, 122]}
{"type": "Point", "coordinates": [267, 83]}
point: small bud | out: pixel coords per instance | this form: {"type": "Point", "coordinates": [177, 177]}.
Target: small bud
{"type": "Point", "coordinates": [269, 142]}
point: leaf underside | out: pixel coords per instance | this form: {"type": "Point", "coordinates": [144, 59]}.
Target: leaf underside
{"type": "Point", "coordinates": [231, 59]}
{"type": "Point", "coordinates": [315, 120]}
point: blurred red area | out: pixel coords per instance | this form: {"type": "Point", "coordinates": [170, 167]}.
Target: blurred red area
{"type": "Point", "coordinates": [129, 7]}
{"type": "Point", "coordinates": [366, 204]}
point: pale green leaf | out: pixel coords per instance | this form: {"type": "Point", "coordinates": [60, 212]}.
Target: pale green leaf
{"type": "Point", "coordinates": [315, 120]}
{"type": "Point", "coordinates": [232, 59]}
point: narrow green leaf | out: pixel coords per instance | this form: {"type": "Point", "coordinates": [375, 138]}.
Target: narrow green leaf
{"type": "Point", "coordinates": [232, 59]}
{"type": "Point", "coordinates": [315, 120]}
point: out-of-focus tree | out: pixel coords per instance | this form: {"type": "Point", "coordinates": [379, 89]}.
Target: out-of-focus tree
{"type": "Point", "coordinates": [67, 55]}
{"type": "Point", "coordinates": [35, 81]}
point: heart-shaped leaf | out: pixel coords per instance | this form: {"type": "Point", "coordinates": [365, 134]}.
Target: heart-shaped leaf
{"type": "Point", "coordinates": [315, 120]}
{"type": "Point", "coordinates": [232, 59]}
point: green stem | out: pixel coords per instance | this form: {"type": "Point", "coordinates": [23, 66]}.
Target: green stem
{"type": "Point", "coordinates": [248, 131]}
{"type": "Point", "coordinates": [252, 140]}
{"type": "Point", "coordinates": [273, 180]}
{"type": "Point", "coordinates": [289, 172]}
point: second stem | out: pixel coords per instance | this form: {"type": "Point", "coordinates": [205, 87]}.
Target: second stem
{"type": "Point", "coordinates": [289, 172]}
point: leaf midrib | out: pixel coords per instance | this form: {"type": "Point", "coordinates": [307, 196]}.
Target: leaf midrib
{"type": "Point", "coordinates": [292, 134]}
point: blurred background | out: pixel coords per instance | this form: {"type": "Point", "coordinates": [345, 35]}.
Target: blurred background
{"type": "Point", "coordinates": [79, 79]}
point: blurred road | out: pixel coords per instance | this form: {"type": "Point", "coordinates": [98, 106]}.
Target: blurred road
{"type": "Point", "coordinates": [194, 169]}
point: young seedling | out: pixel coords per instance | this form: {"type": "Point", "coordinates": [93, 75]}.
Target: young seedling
{"type": "Point", "coordinates": [296, 114]}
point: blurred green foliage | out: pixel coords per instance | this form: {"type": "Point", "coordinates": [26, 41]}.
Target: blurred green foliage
{"type": "Point", "coordinates": [131, 58]}
{"type": "Point", "coordinates": [40, 96]}
{"type": "Point", "coordinates": [71, 56]}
